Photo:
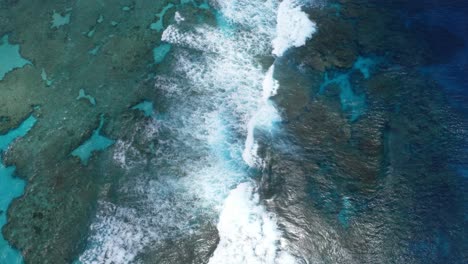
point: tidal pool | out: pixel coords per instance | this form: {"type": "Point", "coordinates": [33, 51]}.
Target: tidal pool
{"type": "Point", "coordinates": [11, 187]}
{"type": "Point", "coordinates": [96, 142]}
{"type": "Point", "coordinates": [10, 57]}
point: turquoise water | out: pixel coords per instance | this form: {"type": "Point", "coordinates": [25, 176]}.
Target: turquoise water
{"type": "Point", "coordinates": [10, 57]}
{"type": "Point", "coordinates": [146, 107]}
{"type": "Point", "coordinates": [95, 50]}
{"type": "Point", "coordinates": [365, 66]}
{"type": "Point", "coordinates": [45, 78]}
{"type": "Point", "coordinates": [160, 52]}
{"type": "Point", "coordinates": [96, 142]}
{"type": "Point", "coordinates": [59, 20]}
{"type": "Point", "coordinates": [158, 25]}
{"type": "Point", "coordinates": [11, 187]}
{"type": "Point", "coordinates": [357, 173]}
{"type": "Point", "coordinates": [82, 95]}
{"type": "Point", "coordinates": [351, 102]}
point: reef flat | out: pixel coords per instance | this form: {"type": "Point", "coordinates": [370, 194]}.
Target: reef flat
{"type": "Point", "coordinates": [248, 131]}
{"type": "Point", "coordinates": [50, 222]}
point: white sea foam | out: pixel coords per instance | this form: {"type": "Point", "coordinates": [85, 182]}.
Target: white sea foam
{"type": "Point", "coordinates": [293, 27]}
{"type": "Point", "coordinates": [265, 116]}
{"type": "Point", "coordinates": [219, 95]}
{"type": "Point", "coordinates": [255, 15]}
{"type": "Point", "coordinates": [125, 155]}
{"type": "Point", "coordinates": [212, 96]}
{"type": "Point", "coordinates": [119, 241]}
{"type": "Point", "coordinates": [120, 150]}
{"type": "Point", "coordinates": [178, 17]}
{"type": "Point", "coordinates": [248, 233]}
{"type": "Point", "coordinates": [155, 210]}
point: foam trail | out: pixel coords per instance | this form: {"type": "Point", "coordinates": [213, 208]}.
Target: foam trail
{"type": "Point", "coordinates": [248, 233]}
{"type": "Point", "coordinates": [213, 89]}
{"type": "Point", "coordinates": [218, 95]}
{"type": "Point", "coordinates": [265, 117]}
{"type": "Point", "coordinates": [293, 27]}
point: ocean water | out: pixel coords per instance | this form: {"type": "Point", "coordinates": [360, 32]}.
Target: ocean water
{"type": "Point", "coordinates": [11, 187]}
{"type": "Point", "coordinates": [11, 58]}
{"type": "Point", "coordinates": [96, 142]}
{"type": "Point", "coordinates": [229, 97]}
{"type": "Point", "coordinates": [233, 131]}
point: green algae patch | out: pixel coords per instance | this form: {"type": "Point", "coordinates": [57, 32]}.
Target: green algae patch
{"type": "Point", "coordinates": [58, 20]}
{"type": "Point", "coordinates": [82, 95]}
{"type": "Point", "coordinates": [160, 52]}
{"type": "Point", "coordinates": [146, 107]}
{"type": "Point", "coordinates": [10, 57]}
{"type": "Point", "coordinates": [11, 187]}
{"type": "Point", "coordinates": [96, 142]}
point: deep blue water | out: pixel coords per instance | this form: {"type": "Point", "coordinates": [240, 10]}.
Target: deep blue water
{"type": "Point", "coordinates": [444, 26]}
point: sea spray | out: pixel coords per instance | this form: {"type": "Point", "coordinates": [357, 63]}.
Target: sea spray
{"type": "Point", "coordinates": [264, 118]}
{"type": "Point", "coordinates": [248, 233]}
{"type": "Point", "coordinates": [293, 27]}
{"type": "Point", "coordinates": [218, 93]}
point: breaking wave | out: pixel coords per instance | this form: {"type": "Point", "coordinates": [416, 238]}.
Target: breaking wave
{"type": "Point", "coordinates": [219, 90]}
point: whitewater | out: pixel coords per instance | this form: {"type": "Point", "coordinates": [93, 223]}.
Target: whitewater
{"type": "Point", "coordinates": [218, 96]}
